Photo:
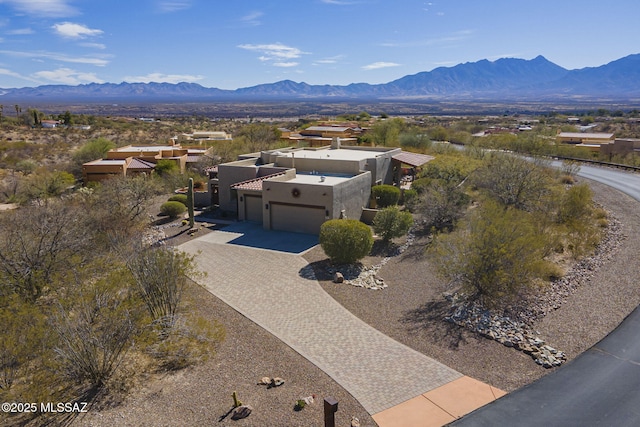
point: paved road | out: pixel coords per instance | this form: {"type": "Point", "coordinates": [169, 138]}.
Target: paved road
{"type": "Point", "coordinates": [601, 387]}
{"type": "Point", "coordinates": [267, 287]}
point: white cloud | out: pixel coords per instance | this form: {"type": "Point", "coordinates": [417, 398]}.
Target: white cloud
{"type": "Point", "coordinates": [451, 38]}
{"type": "Point", "coordinates": [277, 52]}
{"type": "Point", "coordinates": [75, 31]}
{"type": "Point", "coordinates": [252, 19]}
{"type": "Point", "coordinates": [48, 8]}
{"type": "Point", "coordinates": [5, 72]}
{"type": "Point", "coordinates": [163, 78]}
{"type": "Point", "coordinates": [286, 64]}
{"type": "Point", "coordinates": [174, 6]}
{"type": "Point", "coordinates": [20, 32]}
{"type": "Point", "coordinates": [330, 60]}
{"type": "Point", "coordinates": [67, 76]}
{"type": "Point", "coordinates": [94, 45]}
{"type": "Point", "coordinates": [97, 61]}
{"type": "Point", "coordinates": [378, 65]}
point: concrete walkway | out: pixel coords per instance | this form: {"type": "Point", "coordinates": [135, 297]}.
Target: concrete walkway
{"type": "Point", "coordinates": [266, 287]}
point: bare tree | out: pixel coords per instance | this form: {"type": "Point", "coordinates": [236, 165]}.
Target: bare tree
{"type": "Point", "coordinates": [40, 245]}
{"type": "Point", "coordinates": [160, 275]}
{"type": "Point", "coordinates": [95, 331]}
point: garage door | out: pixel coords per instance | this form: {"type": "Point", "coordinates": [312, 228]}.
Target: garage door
{"type": "Point", "coordinates": [253, 208]}
{"type": "Point", "coordinates": [297, 218]}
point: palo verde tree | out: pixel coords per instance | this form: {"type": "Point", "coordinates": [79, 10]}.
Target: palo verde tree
{"type": "Point", "coordinates": [495, 256]}
{"type": "Point", "coordinates": [512, 180]}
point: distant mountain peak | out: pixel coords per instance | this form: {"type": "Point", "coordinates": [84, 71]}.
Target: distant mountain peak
{"type": "Point", "coordinates": [502, 79]}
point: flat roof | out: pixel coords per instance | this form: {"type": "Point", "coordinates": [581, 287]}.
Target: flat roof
{"type": "Point", "coordinates": [334, 154]}
{"type": "Point", "coordinates": [319, 179]}
{"type": "Point", "coordinates": [147, 148]}
{"type": "Point", "coordinates": [585, 135]}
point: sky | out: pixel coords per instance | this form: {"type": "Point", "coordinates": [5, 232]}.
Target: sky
{"type": "Point", "coordinates": [230, 44]}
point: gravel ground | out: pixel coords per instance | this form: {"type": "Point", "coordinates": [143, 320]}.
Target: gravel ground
{"type": "Point", "coordinates": [201, 395]}
{"type": "Point", "coordinates": [411, 308]}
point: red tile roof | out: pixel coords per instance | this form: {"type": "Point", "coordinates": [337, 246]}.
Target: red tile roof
{"type": "Point", "coordinates": [140, 164]}
{"type": "Point", "coordinates": [255, 183]}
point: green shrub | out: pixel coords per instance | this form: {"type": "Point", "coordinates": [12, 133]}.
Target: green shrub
{"type": "Point", "coordinates": [172, 209]}
{"type": "Point", "coordinates": [421, 184]}
{"type": "Point", "coordinates": [576, 203]}
{"type": "Point", "coordinates": [182, 198]}
{"type": "Point", "coordinates": [166, 167]}
{"type": "Point", "coordinates": [385, 195]}
{"type": "Point", "coordinates": [391, 222]}
{"type": "Point", "coordinates": [345, 240]}
{"type": "Point", "coordinates": [409, 197]}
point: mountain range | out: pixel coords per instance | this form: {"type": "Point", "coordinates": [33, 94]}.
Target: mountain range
{"type": "Point", "coordinates": [506, 79]}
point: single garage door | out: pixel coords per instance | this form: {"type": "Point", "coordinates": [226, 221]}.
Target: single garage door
{"type": "Point", "coordinates": [253, 208]}
{"type": "Point", "coordinates": [297, 218]}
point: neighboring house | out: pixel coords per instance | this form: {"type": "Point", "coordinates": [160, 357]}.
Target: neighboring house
{"type": "Point", "coordinates": [200, 136]}
{"type": "Point", "coordinates": [101, 169]}
{"type": "Point", "coordinates": [592, 141]}
{"type": "Point", "coordinates": [621, 146]}
{"type": "Point", "coordinates": [133, 159]}
{"type": "Point", "coordinates": [318, 136]}
{"type": "Point", "coordinates": [297, 189]}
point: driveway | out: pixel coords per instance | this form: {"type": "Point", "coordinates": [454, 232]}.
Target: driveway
{"type": "Point", "coordinates": [268, 287]}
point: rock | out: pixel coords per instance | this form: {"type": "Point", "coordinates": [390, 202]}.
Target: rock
{"type": "Point", "coordinates": [309, 399]}
{"type": "Point", "coordinates": [355, 422]}
{"type": "Point", "coordinates": [264, 381]}
{"type": "Point", "coordinates": [276, 382]}
{"type": "Point", "coordinates": [241, 412]}
{"type": "Point", "coordinates": [338, 277]}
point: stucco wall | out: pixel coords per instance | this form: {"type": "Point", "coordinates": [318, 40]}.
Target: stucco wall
{"type": "Point", "coordinates": [274, 191]}
{"type": "Point", "coordinates": [351, 196]}
{"type": "Point", "coordinates": [232, 173]}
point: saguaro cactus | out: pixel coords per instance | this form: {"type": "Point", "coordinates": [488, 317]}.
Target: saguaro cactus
{"type": "Point", "coordinates": [190, 202]}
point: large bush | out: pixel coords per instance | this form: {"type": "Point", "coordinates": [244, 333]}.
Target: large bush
{"type": "Point", "coordinates": [496, 257]}
{"type": "Point", "coordinates": [345, 240]}
{"type": "Point", "coordinates": [391, 222]}
{"type": "Point", "coordinates": [182, 198]}
{"type": "Point", "coordinates": [385, 195]}
{"type": "Point", "coordinates": [172, 209]}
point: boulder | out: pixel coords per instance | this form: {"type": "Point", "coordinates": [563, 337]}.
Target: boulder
{"type": "Point", "coordinates": [338, 277]}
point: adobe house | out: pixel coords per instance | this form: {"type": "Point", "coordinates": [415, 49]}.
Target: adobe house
{"type": "Point", "coordinates": [298, 189]}
{"type": "Point", "coordinates": [318, 136]}
{"type": "Point", "coordinates": [124, 161]}
{"type": "Point", "coordinates": [592, 141]}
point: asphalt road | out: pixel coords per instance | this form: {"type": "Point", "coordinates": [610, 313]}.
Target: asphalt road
{"type": "Point", "coordinates": [601, 387]}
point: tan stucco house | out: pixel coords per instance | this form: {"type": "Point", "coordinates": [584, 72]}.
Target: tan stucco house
{"type": "Point", "coordinates": [592, 141]}
{"type": "Point", "coordinates": [297, 189]}
{"type": "Point", "coordinates": [124, 161]}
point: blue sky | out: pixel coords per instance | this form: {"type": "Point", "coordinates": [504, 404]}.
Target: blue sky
{"type": "Point", "coordinates": [239, 43]}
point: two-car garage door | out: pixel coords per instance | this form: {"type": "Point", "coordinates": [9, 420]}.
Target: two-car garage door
{"type": "Point", "coordinates": [297, 218]}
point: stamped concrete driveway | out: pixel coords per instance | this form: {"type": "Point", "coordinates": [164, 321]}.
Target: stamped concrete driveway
{"type": "Point", "coordinates": [266, 286]}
